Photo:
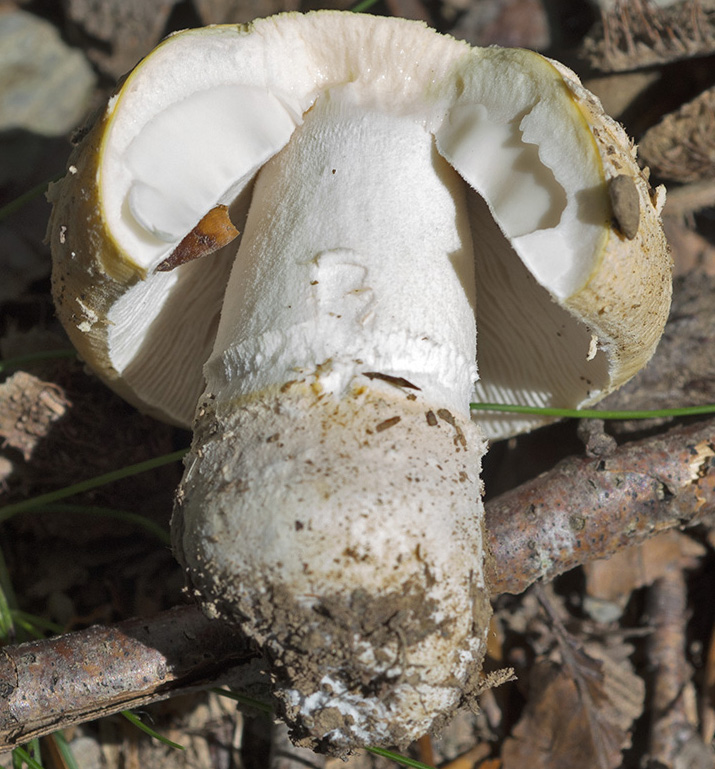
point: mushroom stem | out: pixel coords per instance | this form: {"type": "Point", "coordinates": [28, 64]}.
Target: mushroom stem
{"type": "Point", "coordinates": [331, 500]}
{"type": "Point", "coordinates": [357, 256]}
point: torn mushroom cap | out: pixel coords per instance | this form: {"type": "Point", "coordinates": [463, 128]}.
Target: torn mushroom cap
{"type": "Point", "coordinates": [570, 302]}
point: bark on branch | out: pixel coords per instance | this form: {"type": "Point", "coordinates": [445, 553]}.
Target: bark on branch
{"type": "Point", "coordinates": [585, 509]}
{"type": "Point", "coordinates": [53, 683]}
{"type": "Point", "coordinates": [581, 510]}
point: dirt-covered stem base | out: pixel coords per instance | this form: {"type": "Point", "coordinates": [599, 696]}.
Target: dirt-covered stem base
{"type": "Point", "coordinates": [346, 537]}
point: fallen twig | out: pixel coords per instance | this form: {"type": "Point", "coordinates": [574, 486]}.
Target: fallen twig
{"type": "Point", "coordinates": [690, 198]}
{"type": "Point", "coordinates": [53, 683]}
{"type": "Point", "coordinates": [585, 509]}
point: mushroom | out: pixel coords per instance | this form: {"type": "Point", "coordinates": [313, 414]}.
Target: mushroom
{"type": "Point", "coordinates": [397, 190]}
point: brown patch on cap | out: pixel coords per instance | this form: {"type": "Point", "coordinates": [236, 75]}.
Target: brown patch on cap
{"type": "Point", "coordinates": [625, 203]}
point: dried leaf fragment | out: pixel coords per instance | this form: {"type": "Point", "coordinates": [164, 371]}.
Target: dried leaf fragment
{"type": "Point", "coordinates": [614, 579]}
{"type": "Point", "coordinates": [397, 381]}
{"type": "Point", "coordinates": [560, 729]}
{"type": "Point", "coordinates": [214, 231]}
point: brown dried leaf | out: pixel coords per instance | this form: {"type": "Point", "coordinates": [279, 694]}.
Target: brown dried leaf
{"type": "Point", "coordinates": [682, 146]}
{"type": "Point", "coordinates": [214, 231]}
{"type": "Point", "coordinates": [473, 757]}
{"type": "Point", "coordinates": [615, 578]}
{"type": "Point", "coordinates": [560, 728]}
{"type": "Point", "coordinates": [28, 408]}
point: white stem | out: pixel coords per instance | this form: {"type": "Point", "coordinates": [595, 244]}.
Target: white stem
{"type": "Point", "coordinates": [335, 516]}
{"type": "Point", "coordinates": [356, 256]}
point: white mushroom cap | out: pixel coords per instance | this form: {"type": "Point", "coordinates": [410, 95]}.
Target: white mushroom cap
{"type": "Point", "coordinates": [423, 223]}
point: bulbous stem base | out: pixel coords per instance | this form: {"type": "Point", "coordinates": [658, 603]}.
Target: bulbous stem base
{"type": "Point", "coordinates": [346, 537]}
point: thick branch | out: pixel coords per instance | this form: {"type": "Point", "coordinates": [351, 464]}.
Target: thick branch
{"type": "Point", "coordinates": [581, 510]}
{"type": "Point", "coordinates": [585, 509]}
{"type": "Point", "coordinates": [54, 683]}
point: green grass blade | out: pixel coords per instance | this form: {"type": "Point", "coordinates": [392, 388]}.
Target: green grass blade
{"type": "Point", "coordinates": [398, 759]}
{"type": "Point", "coordinates": [683, 411]}
{"type": "Point", "coordinates": [8, 602]}
{"type": "Point", "coordinates": [6, 582]}
{"type": "Point", "coordinates": [36, 625]}
{"type": "Point", "coordinates": [134, 519]}
{"type": "Point", "coordinates": [24, 360]}
{"type": "Point", "coordinates": [148, 730]}
{"type": "Point", "coordinates": [92, 483]}
{"type": "Point", "coordinates": [244, 699]}
{"type": "Point", "coordinates": [363, 6]}
{"type": "Point", "coordinates": [64, 750]}
{"type": "Point", "coordinates": [15, 205]}
{"type": "Point", "coordinates": [21, 756]}
{"type": "Point", "coordinates": [7, 624]}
